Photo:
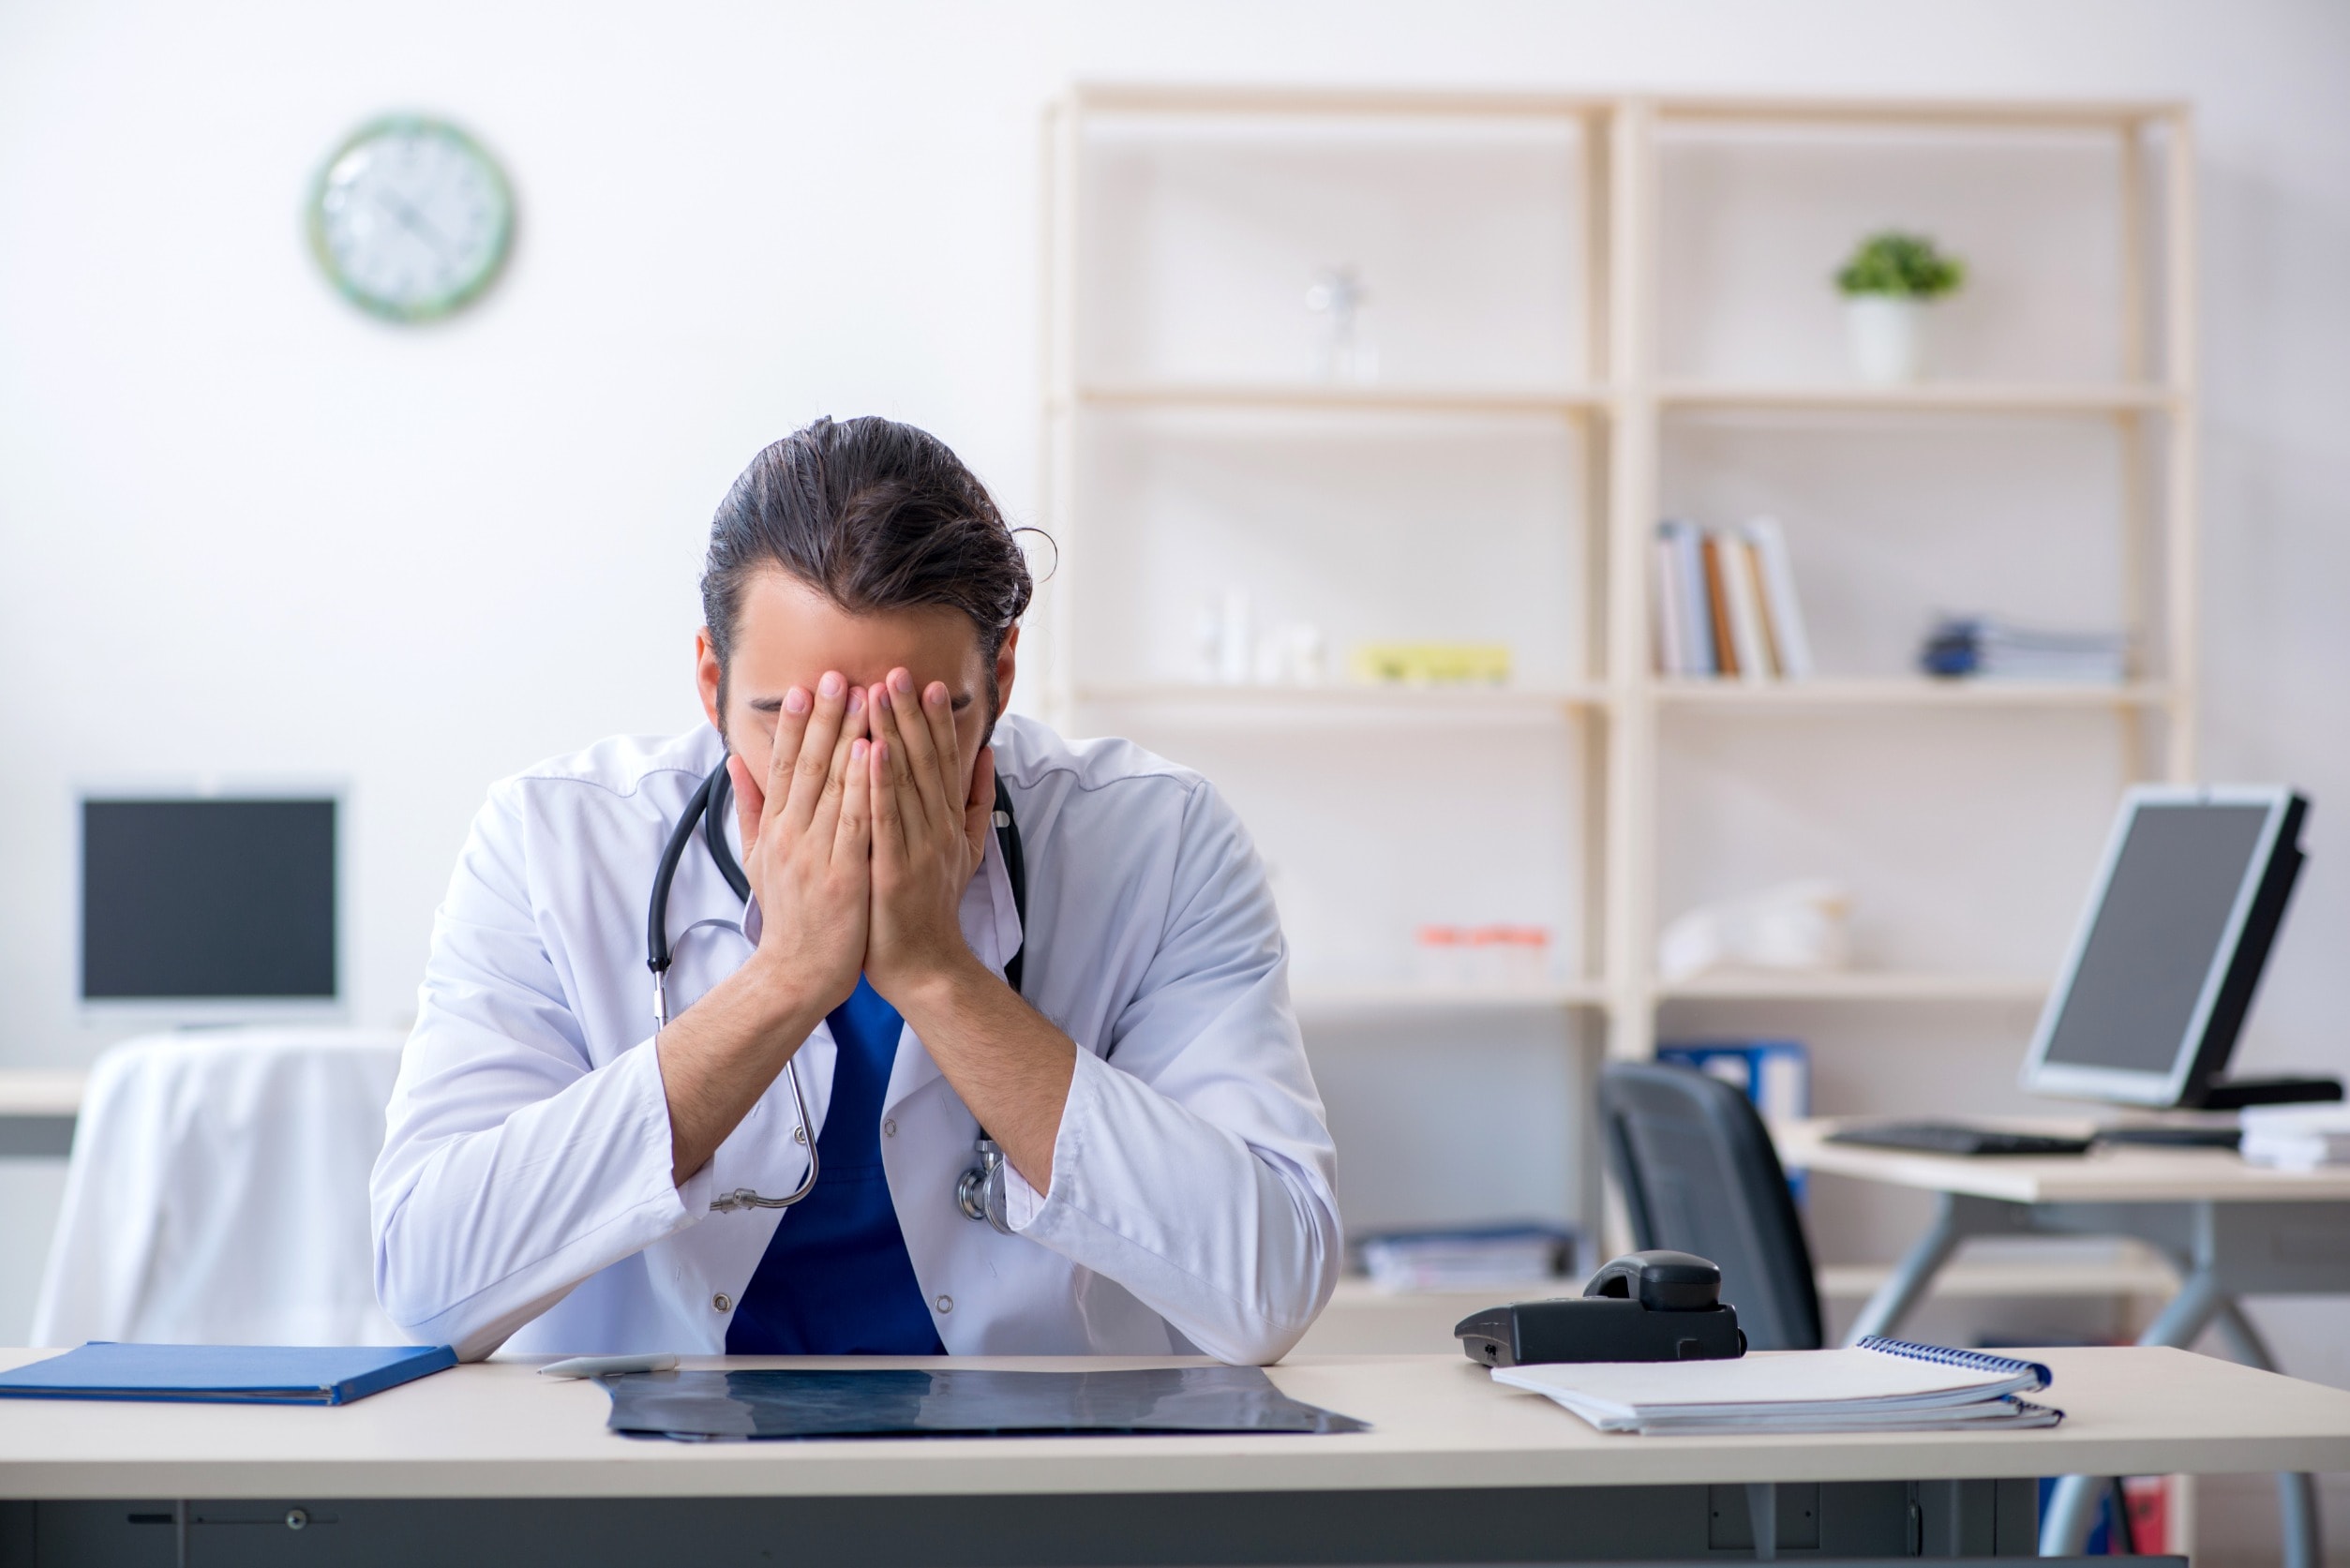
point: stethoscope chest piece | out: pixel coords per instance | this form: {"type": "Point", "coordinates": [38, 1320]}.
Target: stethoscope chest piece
{"type": "Point", "coordinates": [981, 1192]}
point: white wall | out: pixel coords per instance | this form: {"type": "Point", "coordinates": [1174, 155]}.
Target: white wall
{"type": "Point", "coordinates": [245, 531]}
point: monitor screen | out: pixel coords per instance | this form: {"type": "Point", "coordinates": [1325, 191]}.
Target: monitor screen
{"type": "Point", "coordinates": [201, 898]}
{"type": "Point", "coordinates": [2159, 930]}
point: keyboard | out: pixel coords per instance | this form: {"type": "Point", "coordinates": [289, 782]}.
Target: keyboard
{"type": "Point", "coordinates": [1955, 1137]}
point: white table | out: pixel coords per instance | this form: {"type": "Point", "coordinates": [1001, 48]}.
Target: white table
{"type": "Point", "coordinates": [492, 1462]}
{"type": "Point", "coordinates": [38, 1109]}
{"type": "Point", "coordinates": [2230, 1228]}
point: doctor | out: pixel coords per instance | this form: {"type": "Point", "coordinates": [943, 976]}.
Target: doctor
{"type": "Point", "coordinates": [560, 1176]}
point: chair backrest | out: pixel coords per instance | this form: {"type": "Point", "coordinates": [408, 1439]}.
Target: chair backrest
{"type": "Point", "coordinates": [217, 1192]}
{"type": "Point", "coordinates": [1699, 1175]}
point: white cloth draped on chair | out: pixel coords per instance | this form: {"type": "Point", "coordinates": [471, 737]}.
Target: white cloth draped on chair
{"type": "Point", "coordinates": [217, 1192]}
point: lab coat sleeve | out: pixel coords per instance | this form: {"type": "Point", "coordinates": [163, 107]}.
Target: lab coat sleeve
{"type": "Point", "coordinates": [512, 1168]}
{"type": "Point", "coordinates": [1194, 1166]}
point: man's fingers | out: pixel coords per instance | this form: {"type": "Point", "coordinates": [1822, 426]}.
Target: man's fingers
{"type": "Point", "coordinates": [791, 728]}
{"type": "Point", "coordinates": [750, 801]}
{"type": "Point", "coordinates": [938, 711]}
{"type": "Point", "coordinates": [817, 764]}
{"type": "Point", "coordinates": [921, 747]}
{"type": "Point", "coordinates": [894, 723]}
{"type": "Point", "coordinates": [826, 816]}
{"type": "Point", "coordinates": [888, 824]}
{"type": "Point", "coordinates": [979, 811]}
{"type": "Point", "coordinates": [852, 836]}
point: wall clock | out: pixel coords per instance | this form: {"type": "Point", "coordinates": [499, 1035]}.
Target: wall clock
{"type": "Point", "coordinates": [411, 218]}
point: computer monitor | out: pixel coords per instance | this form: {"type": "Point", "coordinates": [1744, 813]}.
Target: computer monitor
{"type": "Point", "coordinates": [210, 908]}
{"type": "Point", "coordinates": [2160, 973]}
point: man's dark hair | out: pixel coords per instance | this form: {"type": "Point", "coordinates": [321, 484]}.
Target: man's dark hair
{"type": "Point", "coordinates": [876, 516]}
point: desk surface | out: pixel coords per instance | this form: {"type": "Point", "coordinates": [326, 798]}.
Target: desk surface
{"type": "Point", "coordinates": [41, 1091]}
{"type": "Point", "coordinates": [498, 1429]}
{"type": "Point", "coordinates": [2105, 1174]}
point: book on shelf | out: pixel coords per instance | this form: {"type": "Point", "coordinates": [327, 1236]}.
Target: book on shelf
{"type": "Point", "coordinates": [1790, 639]}
{"type": "Point", "coordinates": [1985, 647]}
{"type": "Point", "coordinates": [1726, 606]}
{"type": "Point", "coordinates": [1505, 1256]}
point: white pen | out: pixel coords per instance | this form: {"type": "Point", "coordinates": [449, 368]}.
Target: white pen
{"type": "Point", "coordinates": [604, 1366]}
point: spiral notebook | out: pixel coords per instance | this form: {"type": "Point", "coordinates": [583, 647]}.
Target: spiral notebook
{"type": "Point", "coordinates": [1879, 1385]}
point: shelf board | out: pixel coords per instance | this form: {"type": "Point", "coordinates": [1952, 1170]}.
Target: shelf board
{"type": "Point", "coordinates": [1309, 396]}
{"type": "Point", "coordinates": [1907, 692]}
{"type": "Point", "coordinates": [1985, 397]}
{"type": "Point", "coordinates": [1155, 97]}
{"type": "Point", "coordinates": [1329, 1000]}
{"type": "Point", "coordinates": [1351, 697]}
{"type": "Point", "coordinates": [1981, 113]}
{"type": "Point", "coordinates": [1855, 985]}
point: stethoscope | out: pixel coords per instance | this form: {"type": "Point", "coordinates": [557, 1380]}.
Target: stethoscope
{"type": "Point", "coordinates": [979, 1191]}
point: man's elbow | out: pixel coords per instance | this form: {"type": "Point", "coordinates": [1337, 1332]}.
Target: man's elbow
{"type": "Point", "coordinates": [423, 1309]}
{"type": "Point", "coordinates": [1288, 1302]}
{"type": "Point", "coordinates": [424, 1302]}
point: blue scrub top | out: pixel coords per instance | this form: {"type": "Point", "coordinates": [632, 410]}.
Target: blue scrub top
{"type": "Point", "coordinates": [836, 1279]}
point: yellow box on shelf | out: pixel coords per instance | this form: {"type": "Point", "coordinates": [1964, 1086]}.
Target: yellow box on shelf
{"type": "Point", "coordinates": [1430, 664]}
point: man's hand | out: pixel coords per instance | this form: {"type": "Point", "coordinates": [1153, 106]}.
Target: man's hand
{"type": "Point", "coordinates": [1009, 1066]}
{"type": "Point", "coordinates": [807, 839]}
{"type": "Point", "coordinates": [929, 835]}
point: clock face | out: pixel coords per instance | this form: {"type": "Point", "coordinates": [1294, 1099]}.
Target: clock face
{"type": "Point", "coordinates": [411, 218]}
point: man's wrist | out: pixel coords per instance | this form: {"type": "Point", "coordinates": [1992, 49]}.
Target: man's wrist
{"type": "Point", "coordinates": [778, 1005]}
{"type": "Point", "coordinates": [942, 992]}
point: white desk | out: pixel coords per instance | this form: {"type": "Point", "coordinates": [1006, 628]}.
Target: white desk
{"type": "Point", "coordinates": [2230, 1228]}
{"type": "Point", "coordinates": [38, 1109]}
{"type": "Point", "coordinates": [494, 1461]}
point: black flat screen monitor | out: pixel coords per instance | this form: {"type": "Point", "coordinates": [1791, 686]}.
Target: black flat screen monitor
{"type": "Point", "coordinates": [214, 906]}
{"type": "Point", "coordinates": [2161, 970]}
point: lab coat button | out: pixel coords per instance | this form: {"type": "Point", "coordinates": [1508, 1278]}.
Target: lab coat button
{"type": "Point", "coordinates": [800, 1135]}
{"type": "Point", "coordinates": [946, 1304]}
{"type": "Point", "coordinates": [722, 1303]}
{"type": "Point", "coordinates": [889, 1127]}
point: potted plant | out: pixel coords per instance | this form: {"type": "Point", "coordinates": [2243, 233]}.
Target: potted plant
{"type": "Point", "coordinates": [1887, 285]}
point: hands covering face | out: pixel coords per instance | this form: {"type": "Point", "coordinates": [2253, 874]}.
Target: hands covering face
{"type": "Point", "coordinates": [861, 840]}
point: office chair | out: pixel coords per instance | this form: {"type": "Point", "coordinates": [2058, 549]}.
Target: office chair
{"type": "Point", "coordinates": [1699, 1175]}
{"type": "Point", "coordinates": [217, 1192]}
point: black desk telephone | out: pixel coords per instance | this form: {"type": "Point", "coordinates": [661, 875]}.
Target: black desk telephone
{"type": "Point", "coordinates": [1643, 1306]}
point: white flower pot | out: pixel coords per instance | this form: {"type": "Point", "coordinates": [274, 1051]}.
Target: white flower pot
{"type": "Point", "coordinates": [1887, 333]}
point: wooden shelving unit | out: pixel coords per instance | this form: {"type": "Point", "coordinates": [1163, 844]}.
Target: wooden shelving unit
{"type": "Point", "coordinates": [1618, 402]}
{"type": "Point", "coordinates": [1343, 399]}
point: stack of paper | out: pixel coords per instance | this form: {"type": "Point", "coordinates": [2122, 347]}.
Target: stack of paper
{"type": "Point", "coordinates": [1501, 1257]}
{"type": "Point", "coordinates": [2297, 1137]}
{"type": "Point", "coordinates": [1881, 1385]}
{"type": "Point", "coordinates": [1993, 649]}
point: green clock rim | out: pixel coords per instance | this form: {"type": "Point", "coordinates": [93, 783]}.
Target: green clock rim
{"type": "Point", "coordinates": [437, 306]}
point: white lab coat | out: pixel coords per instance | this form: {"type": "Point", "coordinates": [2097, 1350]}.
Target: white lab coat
{"type": "Point", "coordinates": [523, 1196]}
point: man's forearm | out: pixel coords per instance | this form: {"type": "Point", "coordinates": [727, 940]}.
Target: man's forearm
{"type": "Point", "coordinates": [1010, 1065]}
{"type": "Point", "coordinates": [721, 1054]}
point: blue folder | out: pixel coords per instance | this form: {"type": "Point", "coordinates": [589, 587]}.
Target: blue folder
{"type": "Point", "coordinates": [225, 1374]}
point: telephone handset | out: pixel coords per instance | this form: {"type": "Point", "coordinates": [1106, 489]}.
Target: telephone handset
{"type": "Point", "coordinates": [1654, 1306]}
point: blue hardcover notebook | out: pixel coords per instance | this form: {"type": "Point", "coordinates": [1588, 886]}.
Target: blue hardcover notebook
{"type": "Point", "coordinates": [225, 1374]}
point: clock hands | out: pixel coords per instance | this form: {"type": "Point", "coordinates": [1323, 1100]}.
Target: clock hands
{"type": "Point", "coordinates": [416, 222]}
